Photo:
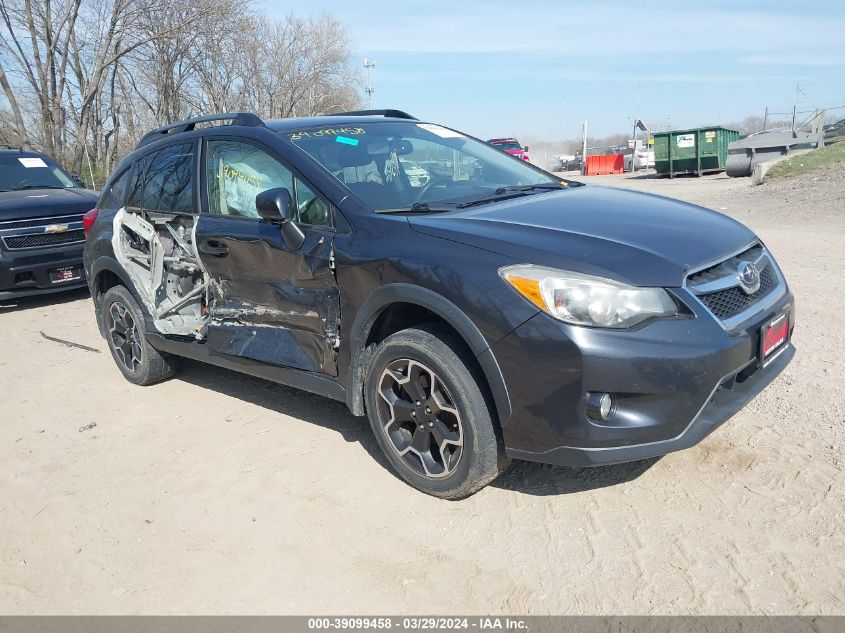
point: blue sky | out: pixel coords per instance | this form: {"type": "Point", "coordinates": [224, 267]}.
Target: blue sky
{"type": "Point", "coordinates": [538, 68]}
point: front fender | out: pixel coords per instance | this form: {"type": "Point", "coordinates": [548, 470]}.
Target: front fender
{"type": "Point", "coordinates": [393, 293]}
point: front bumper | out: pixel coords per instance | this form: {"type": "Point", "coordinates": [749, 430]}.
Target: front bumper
{"type": "Point", "coordinates": [673, 382]}
{"type": "Point", "coordinates": [27, 272]}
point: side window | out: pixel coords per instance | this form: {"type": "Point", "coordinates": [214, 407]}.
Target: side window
{"type": "Point", "coordinates": [237, 172]}
{"type": "Point", "coordinates": [115, 195]}
{"type": "Point", "coordinates": [311, 208]}
{"type": "Point", "coordinates": [135, 185]}
{"type": "Point", "coordinates": [168, 183]}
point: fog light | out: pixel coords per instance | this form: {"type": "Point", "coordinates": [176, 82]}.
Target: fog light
{"type": "Point", "coordinates": [599, 405]}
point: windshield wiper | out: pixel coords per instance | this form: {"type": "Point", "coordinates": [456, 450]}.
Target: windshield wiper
{"type": "Point", "coordinates": [511, 191]}
{"type": "Point", "coordinates": [545, 185]}
{"type": "Point", "coordinates": [422, 207]}
{"type": "Point", "coordinates": [502, 193]}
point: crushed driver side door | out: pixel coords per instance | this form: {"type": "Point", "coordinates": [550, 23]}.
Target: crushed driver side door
{"type": "Point", "coordinates": [267, 302]}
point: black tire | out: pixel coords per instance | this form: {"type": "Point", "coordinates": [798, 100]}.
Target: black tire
{"type": "Point", "coordinates": [138, 361]}
{"type": "Point", "coordinates": [455, 411]}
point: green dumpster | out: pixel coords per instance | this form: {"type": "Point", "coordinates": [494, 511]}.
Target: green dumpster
{"type": "Point", "coordinates": [695, 151]}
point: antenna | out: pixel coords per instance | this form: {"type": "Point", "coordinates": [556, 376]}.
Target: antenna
{"type": "Point", "coordinates": [368, 64]}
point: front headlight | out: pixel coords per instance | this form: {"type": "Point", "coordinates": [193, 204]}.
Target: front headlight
{"type": "Point", "coordinates": [586, 300]}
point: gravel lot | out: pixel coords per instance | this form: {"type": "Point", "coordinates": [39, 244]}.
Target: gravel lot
{"type": "Point", "coordinates": [219, 493]}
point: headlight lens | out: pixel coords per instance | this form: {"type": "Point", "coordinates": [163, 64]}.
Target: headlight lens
{"type": "Point", "coordinates": [586, 300]}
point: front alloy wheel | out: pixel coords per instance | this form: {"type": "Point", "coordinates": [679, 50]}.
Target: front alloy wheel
{"type": "Point", "coordinates": [425, 399]}
{"type": "Point", "coordinates": [419, 418]}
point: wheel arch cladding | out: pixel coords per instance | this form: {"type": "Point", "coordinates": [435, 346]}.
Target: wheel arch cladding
{"type": "Point", "coordinates": [395, 307]}
{"type": "Point", "coordinates": [107, 273]}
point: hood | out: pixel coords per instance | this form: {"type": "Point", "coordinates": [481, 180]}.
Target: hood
{"type": "Point", "coordinates": [515, 152]}
{"type": "Point", "coordinates": [43, 203]}
{"type": "Point", "coordinates": [632, 237]}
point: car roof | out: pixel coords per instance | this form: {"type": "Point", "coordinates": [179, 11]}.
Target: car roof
{"type": "Point", "coordinates": [23, 153]}
{"type": "Point", "coordinates": [250, 119]}
{"type": "Point", "coordinates": [154, 137]}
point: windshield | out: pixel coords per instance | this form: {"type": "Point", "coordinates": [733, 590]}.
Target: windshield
{"type": "Point", "coordinates": [373, 160]}
{"type": "Point", "coordinates": [18, 172]}
{"type": "Point", "coordinates": [504, 145]}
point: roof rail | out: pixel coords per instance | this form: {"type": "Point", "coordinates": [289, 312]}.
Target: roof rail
{"type": "Point", "coordinates": [236, 118]}
{"type": "Point", "coordinates": [17, 147]}
{"type": "Point", "coordinates": [396, 114]}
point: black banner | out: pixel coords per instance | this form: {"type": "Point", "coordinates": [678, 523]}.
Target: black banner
{"type": "Point", "coordinates": [517, 624]}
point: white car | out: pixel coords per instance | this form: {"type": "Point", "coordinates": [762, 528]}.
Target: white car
{"type": "Point", "coordinates": [643, 158]}
{"type": "Point", "coordinates": [417, 176]}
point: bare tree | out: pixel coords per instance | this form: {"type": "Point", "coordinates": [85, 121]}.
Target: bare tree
{"type": "Point", "coordinates": [85, 78]}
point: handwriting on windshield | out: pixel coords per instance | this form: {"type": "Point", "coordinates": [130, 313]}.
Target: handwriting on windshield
{"type": "Point", "coordinates": [331, 131]}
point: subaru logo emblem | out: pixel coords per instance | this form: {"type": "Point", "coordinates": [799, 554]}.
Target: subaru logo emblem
{"type": "Point", "coordinates": [749, 277]}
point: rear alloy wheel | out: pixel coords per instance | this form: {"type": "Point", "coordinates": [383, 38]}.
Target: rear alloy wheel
{"type": "Point", "coordinates": [426, 405]}
{"type": "Point", "coordinates": [138, 361]}
{"type": "Point", "coordinates": [123, 337]}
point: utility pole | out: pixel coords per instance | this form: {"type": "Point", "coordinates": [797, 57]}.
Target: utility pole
{"type": "Point", "coordinates": [766, 118]}
{"type": "Point", "coordinates": [368, 64]}
{"type": "Point", "coordinates": [634, 148]}
{"type": "Point", "coordinates": [584, 148]}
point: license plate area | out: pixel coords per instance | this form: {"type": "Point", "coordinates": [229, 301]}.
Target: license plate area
{"type": "Point", "coordinates": [65, 274]}
{"type": "Point", "coordinates": [774, 337]}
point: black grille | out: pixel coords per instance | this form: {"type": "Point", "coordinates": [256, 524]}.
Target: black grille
{"type": "Point", "coordinates": [22, 224]}
{"type": "Point", "coordinates": [730, 302]}
{"type": "Point", "coordinates": [44, 239]}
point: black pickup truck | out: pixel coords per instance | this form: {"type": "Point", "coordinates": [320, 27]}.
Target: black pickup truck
{"type": "Point", "coordinates": [41, 236]}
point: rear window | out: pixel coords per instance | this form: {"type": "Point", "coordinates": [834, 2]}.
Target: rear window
{"type": "Point", "coordinates": [168, 185]}
{"type": "Point", "coordinates": [114, 195]}
{"type": "Point", "coordinates": [135, 185]}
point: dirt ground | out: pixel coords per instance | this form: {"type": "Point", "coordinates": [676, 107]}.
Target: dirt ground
{"type": "Point", "coordinates": [219, 493]}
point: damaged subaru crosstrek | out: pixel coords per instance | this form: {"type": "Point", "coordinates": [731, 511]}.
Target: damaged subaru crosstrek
{"type": "Point", "coordinates": [488, 311]}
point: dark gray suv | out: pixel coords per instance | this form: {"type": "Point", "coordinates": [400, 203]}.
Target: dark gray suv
{"type": "Point", "coordinates": [494, 311]}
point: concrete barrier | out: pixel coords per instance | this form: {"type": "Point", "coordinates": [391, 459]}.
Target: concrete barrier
{"type": "Point", "coordinates": [759, 171]}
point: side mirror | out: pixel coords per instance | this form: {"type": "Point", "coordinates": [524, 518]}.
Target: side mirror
{"type": "Point", "coordinates": [276, 205]}
{"type": "Point", "coordinates": [78, 180]}
{"type": "Point", "coordinates": [525, 148]}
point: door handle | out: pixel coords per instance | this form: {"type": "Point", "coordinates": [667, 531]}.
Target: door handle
{"type": "Point", "coordinates": [214, 248]}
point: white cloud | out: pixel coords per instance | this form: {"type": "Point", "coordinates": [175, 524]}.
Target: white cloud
{"type": "Point", "coordinates": [598, 30]}
{"type": "Point", "coordinates": [492, 73]}
{"type": "Point", "coordinates": [794, 59]}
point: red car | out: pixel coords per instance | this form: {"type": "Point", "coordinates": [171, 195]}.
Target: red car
{"type": "Point", "coordinates": [511, 146]}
